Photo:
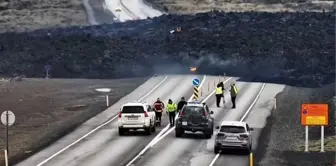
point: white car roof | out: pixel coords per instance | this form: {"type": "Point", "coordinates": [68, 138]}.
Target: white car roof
{"type": "Point", "coordinates": [233, 123]}
{"type": "Point", "coordinates": [135, 104]}
{"type": "Point", "coordinates": [195, 104]}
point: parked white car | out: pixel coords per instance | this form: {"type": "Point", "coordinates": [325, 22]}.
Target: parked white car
{"type": "Point", "coordinates": [134, 116]}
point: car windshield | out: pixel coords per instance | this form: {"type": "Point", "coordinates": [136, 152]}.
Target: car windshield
{"type": "Point", "coordinates": [188, 110]}
{"type": "Point", "coordinates": [133, 109]}
{"type": "Point", "coordinates": [232, 129]}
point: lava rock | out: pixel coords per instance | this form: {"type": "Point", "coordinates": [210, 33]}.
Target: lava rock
{"type": "Point", "coordinates": [290, 48]}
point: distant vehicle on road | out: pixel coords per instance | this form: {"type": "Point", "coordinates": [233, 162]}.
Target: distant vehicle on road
{"type": "Point", "coordinates": [135, 116]}
{"type": "Point", "coordinates": [233, 135]}
{"type": "Point", "coordinates": [194, 117]}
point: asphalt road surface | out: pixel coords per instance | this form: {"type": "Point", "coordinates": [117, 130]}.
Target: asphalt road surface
{"type": "Point", "coordinates": [254, 103]}
{"type": "Point", "coordinates": [104, 146]}
{"type": "Point", "coordinates": [130, 9]}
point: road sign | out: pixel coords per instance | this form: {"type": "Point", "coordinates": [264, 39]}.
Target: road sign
{"type": "Point", "coordinates": [196, 82]}
{"type": "Point", "coordinates": [11, 118]}
{"type": "Point", "coordinates": [196, 94]}
{"type": "Point", "coordinates": [314, 114]}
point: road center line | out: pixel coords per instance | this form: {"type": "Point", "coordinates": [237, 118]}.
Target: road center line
{"type": "Point", "coordinates": [243, 118]}
{"type": "Point", "coordinates": [158, 137]}
{"type": "Point", "coordinates": [95, 129]}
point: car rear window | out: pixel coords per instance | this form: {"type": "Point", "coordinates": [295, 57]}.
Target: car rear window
{"type": "Point", "coordinates": [133, 109]}
{"type": "Point", "coordinates": [232, 129]}
{"type": "Point", "coordinates": [193, 110]}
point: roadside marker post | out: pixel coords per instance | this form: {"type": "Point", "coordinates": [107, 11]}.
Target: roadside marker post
{"type": "Point", "coordinates": [105, 90]}
{"type": "Point", "coordinates": [314, 115]}
{"type": "Point", "coordinates": [6, 158]}
{"type": "Point", "coordinates": [251, 159]}
{"type": "Point", "coordinates": [47, 69]}
{"type": "Point", "coordinates": [8, 119]}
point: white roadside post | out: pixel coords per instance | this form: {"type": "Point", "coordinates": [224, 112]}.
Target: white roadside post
{"type": "Point", "coordinates": [105, 90]}
{"type": "Point", "coordinates": [314, 115]}
{"type": "Point", "coordinates": [6, 158]}
{"type": "Point", "coordinates": [306, 139]}
{"type": "Point", "coordinates": [8, 119]}
{"type": "Point", "coordinates": [322, 139]}
{"type": "Point", "coordinates": [118, 10]}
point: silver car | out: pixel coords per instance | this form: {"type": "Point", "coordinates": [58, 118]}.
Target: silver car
{"type": "Point", "coordinates": [233, 135]}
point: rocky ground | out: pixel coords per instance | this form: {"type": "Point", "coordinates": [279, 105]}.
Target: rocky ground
{"type": "Point", "coordinates": [282, 141]}
{"type": "Point", "coordinates": [48, 109]}
{"type": "Point", "coordinates": [296, 49]}
{"type": "Point", "coordinates": [197, 6]}
{"type": "Point", "coordinates": [289, 48]}
{"type": "Point", "coordinates": [27, 15]}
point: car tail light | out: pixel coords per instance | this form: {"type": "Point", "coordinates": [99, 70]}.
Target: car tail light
{"type": "Point", "coordinates": [221, 135]}
{"type": "Point", "coordinates": [205, 113]}
{"type": "Point", "coordinates": [181, 113]}
{"type": "Point", "coordinates": [146, 115]}
{"type": "Point", "coordinates": [243, 136]}
{"type": "Point", "coordinates": [119, 115]}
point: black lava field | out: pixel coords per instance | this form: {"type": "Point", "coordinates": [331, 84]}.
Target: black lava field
{"type": "Point", "coordinates": [290, 48]}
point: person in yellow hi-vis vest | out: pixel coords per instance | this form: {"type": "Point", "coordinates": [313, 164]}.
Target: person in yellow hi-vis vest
{"type": "Point", "coordinates": [171, 110]}
{"type": "Point", "coordinates": [233, 93]}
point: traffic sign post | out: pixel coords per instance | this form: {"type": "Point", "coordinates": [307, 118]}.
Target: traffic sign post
{"type": "Point", "coordinates": [314, 115]}
{"type": "Point", "coordinates": [8, 119]}
{"type": "Point", "coordinates": [196, 82]}
{"type": "Point", "coordinates": [105, 90]}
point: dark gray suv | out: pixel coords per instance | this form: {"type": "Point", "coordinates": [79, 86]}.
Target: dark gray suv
{"type": "Point", "coordinates": [195, 117]}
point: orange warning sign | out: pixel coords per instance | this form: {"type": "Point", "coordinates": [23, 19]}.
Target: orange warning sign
{"type": "Point", "coordinates": [314, 114]}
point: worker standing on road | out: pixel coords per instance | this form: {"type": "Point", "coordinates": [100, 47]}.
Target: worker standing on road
{"type": "Point", "coordinates": [159, 106]}
{"type": "Point", "coordinates": [171, 110]}
{"type": "Point", "coordinates": [219, 94]}
{"type": "Point", "coordinates": [221, 84]}
{"type": "Point", "coordinates": [181, 104]}
{"type": "Point", "coordinates": [233, 93]}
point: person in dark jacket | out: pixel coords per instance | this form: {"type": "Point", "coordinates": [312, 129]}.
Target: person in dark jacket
{"type": "Point", "coordinates": [181, 104]}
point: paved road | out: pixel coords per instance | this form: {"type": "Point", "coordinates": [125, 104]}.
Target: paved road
{"type": "Point", "coordinates": [104, 146]}
{"type": "Point", "coordinates": [131, 9]}
{"type": "Point", "coordinates": [194, 149]}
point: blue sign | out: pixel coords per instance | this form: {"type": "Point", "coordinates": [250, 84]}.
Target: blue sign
{"type": "Point", "coordinates": [196, 82]}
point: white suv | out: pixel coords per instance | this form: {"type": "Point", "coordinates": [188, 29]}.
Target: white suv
{"type": "Point", "coordinates": [233, 135]}
{"type": "Point", "coordinates": [134, 116]}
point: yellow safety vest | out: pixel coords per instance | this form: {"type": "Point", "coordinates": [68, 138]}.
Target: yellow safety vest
{"type": "Point", "coordinates": [171, 107]}
{"type": "Point", "coordinates": [219, 91]}
{"type": "Point", "coordinates": [235, 89]}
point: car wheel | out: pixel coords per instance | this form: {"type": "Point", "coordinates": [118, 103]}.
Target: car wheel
{"type": "Point", "coordinates": [179, 133]}
{"type": "Point", "coordinates": [121, 131]}
{"type": "Point", "coordinates": [153, 128]}
{"type": "Point", "coordinates": [216, 150]}
{"type": "Point", "coordinates": [148, 130]}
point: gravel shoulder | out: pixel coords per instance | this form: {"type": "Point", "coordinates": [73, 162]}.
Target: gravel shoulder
{"type": "Point", "coordinates": [282, 140]}
{"type": "Point", "coordinates": [48, 109]}
{"type": "Point", "coordinates": [198, 6]}
{"type": "Point", "coordinates": [27, 15]}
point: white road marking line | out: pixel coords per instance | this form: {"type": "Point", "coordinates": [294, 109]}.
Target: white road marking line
{"type": "Point", "coordinates": [95, 129]}
{"type": "Point", "coordinates": [158, 138]}
{"type": "Point", "coordinates": [159, 135]}
{"type": "Point", "coordinates": [242, 119]}
{"type": "Point", "coordinates": [204, 100]}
